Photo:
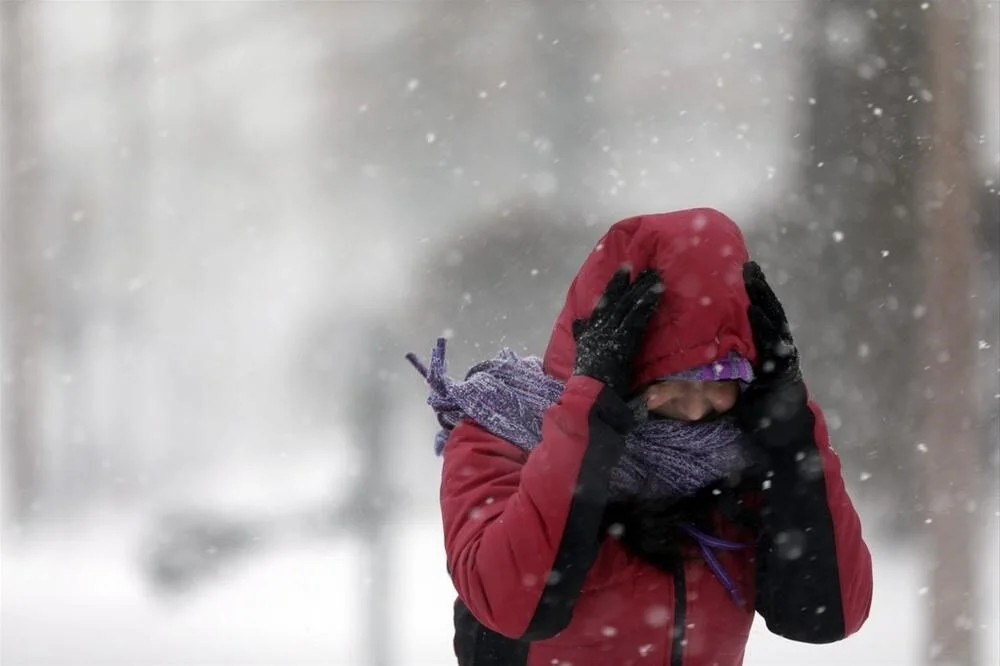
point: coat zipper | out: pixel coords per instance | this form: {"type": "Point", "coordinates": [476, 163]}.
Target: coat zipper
{"type": "Point", "coordinates": [680, 622]}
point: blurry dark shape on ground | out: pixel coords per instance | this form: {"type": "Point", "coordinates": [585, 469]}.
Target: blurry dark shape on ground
{"type": "Point", "coordinates": [186, 548]}
{"type": "Point", "coordinates": [183, 549]}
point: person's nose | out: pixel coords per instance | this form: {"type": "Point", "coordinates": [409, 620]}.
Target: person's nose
{"type": "Point", "coordinates": [696, 407]}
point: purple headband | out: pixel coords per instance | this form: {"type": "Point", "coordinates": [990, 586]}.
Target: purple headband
{"type": "Point", "coordinates": [733, 366]}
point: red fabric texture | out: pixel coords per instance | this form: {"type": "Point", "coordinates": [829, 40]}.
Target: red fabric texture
{"type": "Point", "coordinates": [700, 255]}
{"type": "Point", "coordinates": [504, 512]}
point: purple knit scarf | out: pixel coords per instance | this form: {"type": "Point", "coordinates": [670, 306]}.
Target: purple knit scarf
{"type": "Point", "coordinates": [663, 458]}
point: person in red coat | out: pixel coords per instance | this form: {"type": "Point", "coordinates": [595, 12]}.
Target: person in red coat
{"type": "Point", "coordinates": [661, 475]}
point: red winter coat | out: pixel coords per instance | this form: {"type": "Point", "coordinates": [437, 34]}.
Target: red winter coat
{"type": "Point", "coordinates": [540, 585]}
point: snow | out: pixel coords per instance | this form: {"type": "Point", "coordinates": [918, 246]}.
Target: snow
{"type": "Point", "coordinates": [245, 255]}
{"type": "Point", "coordinates": [301, 602]}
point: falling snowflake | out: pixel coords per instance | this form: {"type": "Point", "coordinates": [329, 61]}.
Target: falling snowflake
{"type": "Point", "coordinates": [657, 616]}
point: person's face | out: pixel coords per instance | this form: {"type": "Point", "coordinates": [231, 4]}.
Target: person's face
{"type": "Point", "coordinates": [691, 400]}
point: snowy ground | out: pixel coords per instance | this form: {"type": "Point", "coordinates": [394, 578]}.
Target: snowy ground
{"type": "Point", "coordinates": [79, 599]}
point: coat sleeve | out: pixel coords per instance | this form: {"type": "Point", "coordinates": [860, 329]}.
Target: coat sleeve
{"type": "Point", "coordinates": [520, 535]}
{"type": "Point", "coordinates": [814, 570]}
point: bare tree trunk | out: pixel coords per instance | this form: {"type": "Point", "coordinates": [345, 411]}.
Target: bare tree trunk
{"type": "Point", "coordinates": [23, 313]}
{"type": "Point", "coordinates": [374, 502]}
{"type": "Point", "coordinates": [126, 244]}
{"type": "Point", "coordinates": [951, 467]}
{"type": "Point", "coordinates": [868, 70]}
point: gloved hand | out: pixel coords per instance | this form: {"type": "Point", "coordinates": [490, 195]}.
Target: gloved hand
{"type": "Point", "coordinates": [608, 341]}
{"type": "Point", "coordinates": [777, 395]}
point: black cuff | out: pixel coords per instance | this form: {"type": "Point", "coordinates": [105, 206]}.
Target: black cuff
{"type": "Point", "coordinates": [614, 411]}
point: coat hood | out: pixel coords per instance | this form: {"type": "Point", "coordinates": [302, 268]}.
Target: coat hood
{"type": "Point", "coordinates": [702, 318]}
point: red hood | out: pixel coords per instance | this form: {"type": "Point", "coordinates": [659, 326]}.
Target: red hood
{"type": "Point", "coordinates": [703, 316]}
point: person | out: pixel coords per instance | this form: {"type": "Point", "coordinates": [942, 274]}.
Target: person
{"type": "Point", "coordinates": [661, 474]}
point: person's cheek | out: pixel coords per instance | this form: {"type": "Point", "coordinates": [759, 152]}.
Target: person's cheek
{"type": "Point", "coordinates": [724, 399]}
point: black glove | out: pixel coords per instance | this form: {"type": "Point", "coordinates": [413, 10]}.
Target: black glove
{"type": "Point", "coordinates": [777, 395]}
{"type": "Point", "coordinates": [607, 342]}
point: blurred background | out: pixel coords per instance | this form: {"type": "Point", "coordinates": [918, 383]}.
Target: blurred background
{"type": "Point", "coordinates": [224, 223]}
